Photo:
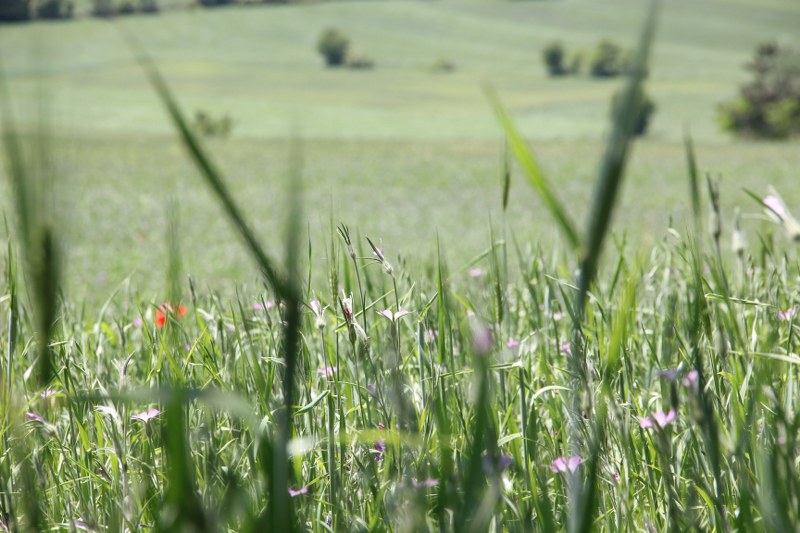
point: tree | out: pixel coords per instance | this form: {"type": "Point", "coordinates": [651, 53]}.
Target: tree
{"type": "Point", "coordinates": [333, 46]}
{"type": "Point", "coordinates": [769, 104]}
{"type": "Point", "coordinates": [553, 55]}
{"type": "Point", "coordinates": [14, 10]}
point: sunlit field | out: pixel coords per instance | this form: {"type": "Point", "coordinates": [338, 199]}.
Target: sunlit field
{"type": "Point", "coordinates": [397, 299]}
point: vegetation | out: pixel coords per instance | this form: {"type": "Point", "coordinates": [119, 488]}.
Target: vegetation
{"type": "Point", "coordinates": [646, 107]}
{"type": "Point", "coordinates": [553, 55]}
{"type": "Point", "coordinates": [769, 103]}
{"type": "Point", "coordinates": [608, 59]}
{"type": "Point", "coordinates": [333, 45]}
{"type": "Point", "coordinates": [655, 388]}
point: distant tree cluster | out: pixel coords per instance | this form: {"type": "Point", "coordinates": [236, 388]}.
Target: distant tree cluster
{"type": "Point", "coordinates": [24, 10]}
{"type": "Point", "coordinates": [769, 103]}
{"type": "Point", "coordinates": [608, 59]}
{"type": "Point", "coordinates": [334, 47]}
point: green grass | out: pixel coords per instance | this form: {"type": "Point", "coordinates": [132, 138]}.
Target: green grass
{"type": "Point", "coordinates": [282, 394]}
{"type": "Point", "coordinates": [421, 139]}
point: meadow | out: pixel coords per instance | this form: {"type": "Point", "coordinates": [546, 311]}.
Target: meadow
{"type": "Point", "coordinates": [332, 320]}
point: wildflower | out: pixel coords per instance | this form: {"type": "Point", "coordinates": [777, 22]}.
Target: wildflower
{"type": "Point", "coordinates": [565, 347]}
{"type": "Point", "coordinates": [616, 477]}
{"type": "Point", "coordinates": [788, 314]}
{"type": "Point", "coordinates": [166, 310]}
{"type": "Point", "coordinates": [380, 257]}
{"type": "Point", "coordinates": [512, 343]}
{"type": "Point", "coordinates": [146, 416]}
{"type": "Point", "coordinates": [777, 211]}
{"type": "Point", "coordinates": [558, 315]}
{"type": "Point", "coordinates": [379, 447]}
{"type": "Point", "coordinates": [475, 272]}
{"type": "Point", "coordinates": [690, 380]}
{"type": "Point", "coordinates": [491, 465]}
{"type": "Point", "coordinates": [34, 417]}
{"type": "Point", "coordinates": [372, 389]}
{"type": "Point", "coordinates": [658, 419]}
{"type": "Point", "coordinates": [47, 393]}
{"type": "Point", "coordinates": [137, 322]}
{"type": "Point", "coordinates": [394, 317]}
{"type": "Point", "coordinates": [298, 492]}
{"type": "Point", "coordinates": [482, 339]}
{"type": "Point", "coordinates": [430, 482]}
{"type": "Point", "coordinates": [328, 371]}
{"type": "Point", "coordinates": [319, 313]}
{"type": "Point", "coordinates": [564, 464]}
{"type": "Point", "coordinates": [669, 373]}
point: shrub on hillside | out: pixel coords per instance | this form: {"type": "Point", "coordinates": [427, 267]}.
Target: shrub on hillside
{"type": "Point", "coordinates": [14, 10]}
{"type": "Point", "coordinates": [553, 55]}
{"type": "Point", "coordinates": [54, 9]}
{"type": "Point", "coordinates": [608, 60]}
{"type": "Point", "coordinates": [646, 108]}
{"type": "Point", "coordinates": [209, 126]}
{"type": "Point", "coordinates": [333, 46]}
{"type": "Point", "coordinates": [769, 104]}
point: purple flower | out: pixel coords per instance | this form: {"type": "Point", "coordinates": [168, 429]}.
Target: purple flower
{"type": "Point", "coordinates": [33, 416]}
{"type": "Point", "coordinates": [788, 314]}
{"type": "Point", "coordinates": [482, 339]}
{"type": "Point", "coordinates": [48, 393]}
{"type": "Point", "coordinates": [379, 447]}
{"type": "Point", "coordinates": [298, 492]}
{"type": "Point", "coordinates": [658, 419]}
{"type": "Point", "coordinates": [137, 322]}
{"type": "Point", "coordinates": [372, 389]}
{"type": "Point", "coordinates": [690, 380]}
{"type": "Point", "coordinates": [512, 343]}
{"type": "Point", "coordinates": [328, 371]}
{"type": "Point", "coordinates": [475, 272]}
{"type": "Point", "coordinates": [146, 416]}
{"type": "Point", "coordinates": [565, 347]}
{"type": "Point", "coordinates": [775, 206]}
{"type": "Point", "coordinates": [669, 374]}
{"type": "Point", "coordinates": [490, 465]}
{"type": "Point", "coordinates": [394, 317]}
{"type": "Point", "coordinates": [564, 464]}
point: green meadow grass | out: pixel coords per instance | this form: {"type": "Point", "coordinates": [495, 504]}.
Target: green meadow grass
{"type": "Point", "coordinates": [368, 378]}
{"type": "Point", "coordinates": [422, 139]}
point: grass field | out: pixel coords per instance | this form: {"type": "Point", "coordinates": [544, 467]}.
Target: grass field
{"type": "Point", "coordinates": [466, 369]}
{"type": "Point", "coordinates": [420, 138]}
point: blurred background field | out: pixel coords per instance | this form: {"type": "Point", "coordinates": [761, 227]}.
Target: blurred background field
{"type": "Point", "coordinates": [402, 151]}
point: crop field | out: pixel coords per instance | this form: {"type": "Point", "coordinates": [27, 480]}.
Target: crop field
{"type": "Point", "coordinates": [363, 310]}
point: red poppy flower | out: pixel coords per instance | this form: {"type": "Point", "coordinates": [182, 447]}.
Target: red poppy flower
{"type": "Point", "coordinates": [168, 309]}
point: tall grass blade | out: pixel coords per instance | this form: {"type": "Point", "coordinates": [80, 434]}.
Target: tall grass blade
{"type": "Point", "coordinates": [531, 169]}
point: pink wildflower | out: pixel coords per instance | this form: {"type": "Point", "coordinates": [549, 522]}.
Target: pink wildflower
{"type": "Point", "coordinates": [564, 464]}
{"type": "Point", "coordinates": [327, 371]}
{"type": "Point", "coordinates": [298, 492]}
{"type": "Point", "coordinates": [146, 416]}
{"type": "Point", "coordinates": [394, 317]}
{"type": "Point", "coordinates": [658, 419]}
{"type": "Point", "coordinates": [788, 314]}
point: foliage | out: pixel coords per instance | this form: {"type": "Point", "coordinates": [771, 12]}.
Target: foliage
{"type": "Point", "coordinates": [209, 126]}
{"type": "Point", "coordinates": [553, 56]}
{"type": "Point", "coordinates": [607, 60]}
{"type": "Point", "coordinates": [15, 10]}
{"type": "Point", "coordinates": [54, 9]}
{"type": "Point", "coordinates": [769, 103]}
{"type": "Point", "coordinates": [333, 46]}
{"type": "Point", "coordinates": [645, 109]}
